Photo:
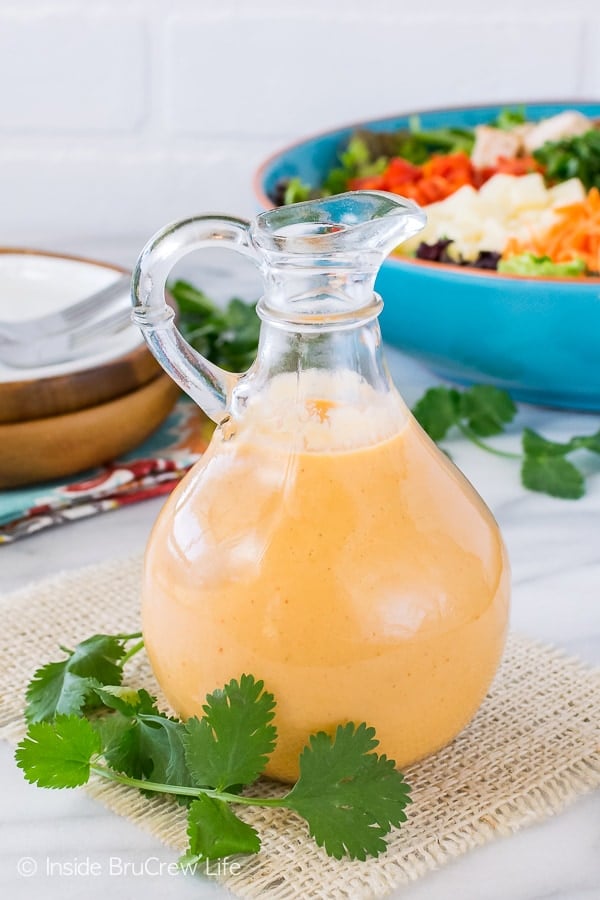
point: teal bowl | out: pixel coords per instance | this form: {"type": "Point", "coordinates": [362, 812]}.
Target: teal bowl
{"type": "Point", "coordinates": [538, 338]}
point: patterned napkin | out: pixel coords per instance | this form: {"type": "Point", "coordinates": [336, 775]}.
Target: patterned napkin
{"type": "Point", "coordinates": [151, 469]}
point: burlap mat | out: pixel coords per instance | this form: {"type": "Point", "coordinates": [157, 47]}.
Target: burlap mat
{"type": "Point", "coordinates": [533, 747]}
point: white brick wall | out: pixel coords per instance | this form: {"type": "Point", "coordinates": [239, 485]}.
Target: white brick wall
{"type": "Point", "coordinates": [118, 115]}
{"type": "Point", "coordinates": [72, 72]}
{"type": "Point", "coordinates": [297, 73]}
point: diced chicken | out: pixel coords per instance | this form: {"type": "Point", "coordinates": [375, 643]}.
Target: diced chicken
{"type": "Point", "coordinates": [565, 125]}
{"type": "Point", "coordinates": [491, 143]}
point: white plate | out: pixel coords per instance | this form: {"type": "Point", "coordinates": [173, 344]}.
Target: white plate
{"type": "Point", "coordinates": [33, 284]}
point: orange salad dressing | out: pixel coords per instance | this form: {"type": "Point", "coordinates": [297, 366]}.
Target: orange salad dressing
{"type": "Point", "coordinates": [368, 583]}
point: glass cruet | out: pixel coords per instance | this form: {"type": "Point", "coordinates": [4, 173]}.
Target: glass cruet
{"type": "Point", "coordinates": [323, 543]}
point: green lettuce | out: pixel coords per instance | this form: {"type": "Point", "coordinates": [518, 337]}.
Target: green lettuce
{"type": "Point", "coordinates": [542, 266]}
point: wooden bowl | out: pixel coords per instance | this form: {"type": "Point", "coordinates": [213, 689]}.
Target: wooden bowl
{"type": "Point", "coordinates": [88, 385]}
{"type": "Point", "coordinates": [57, 446]}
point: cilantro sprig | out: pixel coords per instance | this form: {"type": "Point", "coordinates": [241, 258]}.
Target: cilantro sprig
{"type": "Point", "coordinates": [67, 686]}
{"type": "Point", "coordinates": [350, 796]}
{"type": "Point", "coordinates": [228, 337]}
{"type": "Point", "coordinates": [483, 411]}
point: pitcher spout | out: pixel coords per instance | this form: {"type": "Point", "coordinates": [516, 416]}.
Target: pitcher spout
{"type": "Point", "coordinates": [322, 256]}
{"type": "Point", "coordinates": [367, 223]}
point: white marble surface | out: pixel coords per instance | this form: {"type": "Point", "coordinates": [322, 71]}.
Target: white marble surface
{"type": "Point", "coordinates": [555, 552]}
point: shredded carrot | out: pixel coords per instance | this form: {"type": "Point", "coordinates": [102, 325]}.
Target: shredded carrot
{"type": "Point", "coordinates": [575, 235]}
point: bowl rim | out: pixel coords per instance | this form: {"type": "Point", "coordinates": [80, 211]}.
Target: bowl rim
{"type": "Point", "coordinates": [470, 271]}
{"type": "Point", "coordinates": [81, 379]}
{"type": "Point", "coordinates": [6, 250]}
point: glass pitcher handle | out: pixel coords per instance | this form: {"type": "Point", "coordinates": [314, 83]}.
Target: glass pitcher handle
{"type": "Point", "coordinates": [205, 382]}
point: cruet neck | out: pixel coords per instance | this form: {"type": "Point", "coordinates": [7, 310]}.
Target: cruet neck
{"type": "Point", "coordinates": [320, 258]}
{"type": "Point", "coordinates": [319, 261]}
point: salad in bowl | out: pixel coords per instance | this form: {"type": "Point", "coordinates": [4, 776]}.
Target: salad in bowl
{"type": "Point", "coordinates": [503, 285]}
{"type": "Point", "coordinates": [511, 194]}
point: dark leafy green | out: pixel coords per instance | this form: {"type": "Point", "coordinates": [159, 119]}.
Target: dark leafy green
{"type": "Point", "coordinates": [228, 337]}
{"type": "Point", "coordinates": [420, 144]}
{"type": "Point", "coordinates": [577, 157]}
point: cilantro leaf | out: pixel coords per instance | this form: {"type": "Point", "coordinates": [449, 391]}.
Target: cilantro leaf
{"type": "Point", "coordinates": [552, 475]}
{"type": "Point", "coordinates": [161, 739]}
{"type": "Point", "coordinates": [487, 409]}
{"type": "Point", "coordinates": [58, 754]}
{"type": "Point", "coordinates": [141, 742]}
{"type": "Point", "coordinates": [123, 698]}
{"type": "Point", "coordinates": [119, 746]}
{"type": "Point", "coordinates": [350, 796]}
{"type": "Point", "coordinates": [227, 337]}
{"type": "Point", "coordinates": [215, 831]}
{"type": "Point", "coordinates": [124, 746]}
{"type": "Point", "coordinates": [54, 690]}
{"type": "Point", "coordinates": [589, 442]}
{"type": "Point", "coordinates": [63, 688]}
{"type": "Point", "coordinates": [98, 657]}
{"type": "Point", "coordinates": [237, 343]}
{"type": "Point", "coordinates": [535, 445]}
{"type": "Point", "coordinates": [437, 411]}
{"type": "Point", "coordinates": [545, 469]}
{"type": "Point", "coordinates": [230, 745]}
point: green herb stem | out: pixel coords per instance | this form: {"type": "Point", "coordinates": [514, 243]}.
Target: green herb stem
{"type": "Point", "coordinates": [466, 431]}
{"type": "Point", "coordinates": [132, 651]}
{"type": "Point", "coordinates": [182, 790]}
